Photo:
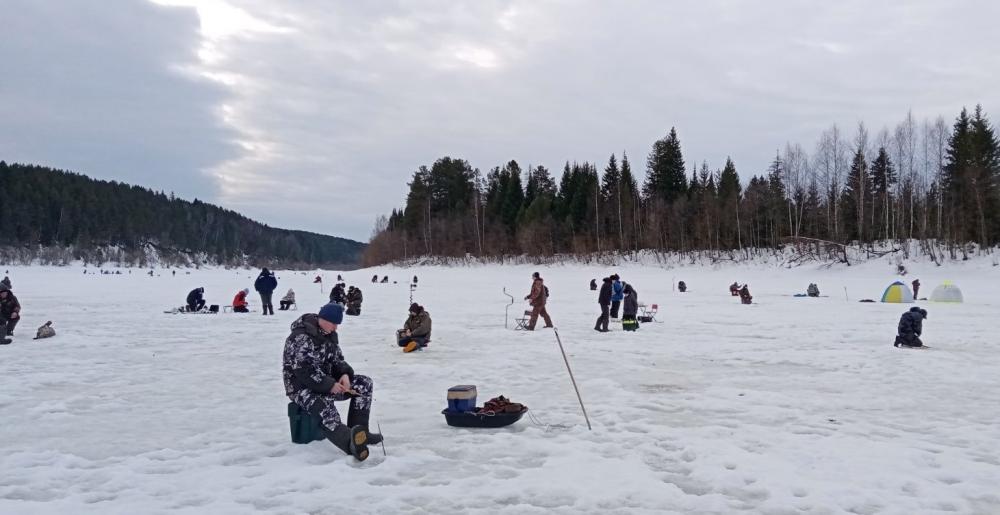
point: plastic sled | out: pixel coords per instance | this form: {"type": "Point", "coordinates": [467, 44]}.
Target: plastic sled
{"type": "Point", "coordinates": [473, 419]}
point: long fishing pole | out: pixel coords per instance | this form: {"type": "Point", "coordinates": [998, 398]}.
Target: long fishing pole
{"type": "Point", "coordinates": [573, 379]}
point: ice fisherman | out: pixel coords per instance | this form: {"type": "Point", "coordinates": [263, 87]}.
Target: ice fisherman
{"type": "Point", "coordinates": [240, 301]}
{"type": "Point", "coordinates": [538, 297]}
{"type": "Point", "coordinates": [196, 299]}
{"type": "Point", "coordinates": [630, 308]}
{"type": "Point", "coordinates": [812, 290]}
{"type": "Point", "coordinates": [604, 300]}
{"type": "Point", "coordinates": [416, 331]}
{"type": "Point", "coordinates": [734, 289]}
{"type": "Point", "coordinates": [354, 299]}
{"type": "Point", "coordinates": [265, 285]}
{"type": "Point", "coordinates": [911, 325]}
{"type": "Point", "coordinates": [617, 295]}
{"type": "Point", "coordinates": [286, 302]}
{"type": "Point", "coordinates": [337, 295]}
{"type": "Point", "coordinates": [316, 375]}
{"type": "Point", "coordinates": [10, 313]}
{"type": "Point", "coordinates": [745, 296]}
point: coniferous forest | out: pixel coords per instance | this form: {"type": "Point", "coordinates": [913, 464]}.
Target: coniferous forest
{"type": "Point", "coordinates": [56, 216]}
{"type": "Point", "coordinates": [924, 181]}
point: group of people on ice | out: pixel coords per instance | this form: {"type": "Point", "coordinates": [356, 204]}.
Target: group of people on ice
{"type": "Point", "coordinates": [613, 293]}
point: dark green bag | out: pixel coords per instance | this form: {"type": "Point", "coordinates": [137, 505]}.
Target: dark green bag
{"type": "Point", "coordinates": [305, 427]}
{"type": "Point", "coordinates": [630, 324]}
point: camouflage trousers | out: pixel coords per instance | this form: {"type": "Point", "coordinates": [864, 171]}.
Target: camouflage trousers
{"type": "Point", "coordinates": [321, 405]}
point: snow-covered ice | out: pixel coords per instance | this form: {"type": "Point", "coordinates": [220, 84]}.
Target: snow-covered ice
{"type": "Point", "coordinates": [789, 405]}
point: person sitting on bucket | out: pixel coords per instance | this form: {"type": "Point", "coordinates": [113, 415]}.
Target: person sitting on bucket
{"type": "Point", "coordinates": [416, 331]}
{"type": "Point", "coordinates": [911, 325]}
{"type": "Point", "coordinates": [240, 304]}
{"type": "Point", "coordinates": [316, 374]}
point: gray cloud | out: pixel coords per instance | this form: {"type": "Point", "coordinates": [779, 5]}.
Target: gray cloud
{"type": "Point", "coordinates": [334, 104]}
{"type": "Point", "coordinates": [101, 88]}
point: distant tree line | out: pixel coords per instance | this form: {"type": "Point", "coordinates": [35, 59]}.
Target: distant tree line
{"type": "Point", "coordinates": [42, 209]}
{"type": "Point", "coordinates": [924, 181]}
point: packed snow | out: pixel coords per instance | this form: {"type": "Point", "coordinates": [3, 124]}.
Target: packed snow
{"type": "Point", "coordinates": [789, 405]}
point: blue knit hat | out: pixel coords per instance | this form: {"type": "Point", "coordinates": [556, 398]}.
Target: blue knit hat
{"type": "Point", "coordinates": [333, 313]}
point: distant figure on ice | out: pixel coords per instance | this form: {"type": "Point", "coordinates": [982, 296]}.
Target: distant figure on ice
{"type": "Point", "coordinates": [10, 314]}
{"type": "Point", "coordinates": [286, 302]}
{"type": "Point", "coordinates": [734, 289]}
{"type": "Point", "coordinates": [416, 331]}
{"type": "Point", "coordinates": [374, 278]}
{"type": "Point", "coordinates": [617, 295]}
{"type": "Point", "coordinates": [911, 325]}
{"type": "Point", "coordinates": [318, 279]}
{"type": "Point", "coordinates": [414, 280]}
{"type": "Point", "coordinates": [682, 287]}
{"type": "Point", "coordinates": [604, 300]}
{"type": "Point", "coordinates": [339, 278]}
{"type": "Point", "coordinates": [916, 287]}
{"type": "Point", "coordinates": [240, 304]}
{"type": "Point", "coordinates": [315, 375]}
{"type": "Point", "coordinates": [812, 290]}
{"type": "Point", "coordinates": [900, 269]}
{"type": "Point", "coordinates": [745, 296]}
{"type": "Point", "coordinates": [593, 285]}
{"type": "Point", "coordinates": [538, 297]}
{"type": "Point", "coordinates": [337, 295]}
{"type": "Point", "coordinates": [196, 299]}
{"type": "Point", "coordinates": [265, 284]}
{"type": "Point", "coordinates": [6, 282]}
{"type": "Point", "coordinates": [385, 279]}
{"type": "Point", "coordinates": [354, 299]}
{"type": "Point", "coordinates": [630, 309]}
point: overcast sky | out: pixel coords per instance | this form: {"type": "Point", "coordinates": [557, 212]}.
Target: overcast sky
{"type": "Point", "coordinates": [314, 114]}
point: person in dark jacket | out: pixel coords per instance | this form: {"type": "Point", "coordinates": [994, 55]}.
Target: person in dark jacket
{"type": "Point", "coordinates": [6, 282]}
{"type": "Point", "coordinates": [593, 285]}
{"type": "Point", "coordinates": [10, 314]}
{"type": "Point", "coordinates": [911, 326]}
{"type": "Point", "coordinates": [916, 287]}
{"type": "Point", "coordinates": [374, 278]}
{"type": "Point", "coordinates": [630, 308]}
{"type": "Point", "coordinates": [337, 295]}
{"type": "Point", "coordinates": [354, 299]}
{"type": "Point", "coordinates": [734, 289]}
{"type": "Point", "coordinates": [265, 284]}
{"type": "Point", "coordinates": [617, 294]}
{"type": "Point", "coordinates": [196, 299]}
{"type": "Point", "coordinates": [538, 297]}
{"type": "Point", "coordinates": [745, 296]}
{"type": "Point", "coordinates": [316, 375]}
{"type": "Point", "coordinates": [416, 331]}
{"type": "Point", "coordinates": [604, 299]}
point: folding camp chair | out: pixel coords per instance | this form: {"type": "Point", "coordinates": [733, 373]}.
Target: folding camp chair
{"type": "Point", "coordinates": [522, 323]}
{"type": "Point", "coordinates": [648, 313]}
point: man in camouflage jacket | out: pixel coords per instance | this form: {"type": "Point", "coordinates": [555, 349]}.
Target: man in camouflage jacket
{"type": "Point", "coordinates": [316, 374]}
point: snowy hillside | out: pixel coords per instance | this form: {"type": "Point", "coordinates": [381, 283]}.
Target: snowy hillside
{"type": "Point", "coordinates": [790, 405]}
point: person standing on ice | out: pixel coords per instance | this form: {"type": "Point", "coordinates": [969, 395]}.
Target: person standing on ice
{"type": "Point", "coordinates": [316, 375]}
{"type": "Point", "coordinates": [604, 299]}
{"type": "Point", "coordinates": [617, 295]}
{"type": "Point", "coordinates": [916, 287]}
{"type": "Point", "coordinates": [265, 284]}
{"type": "Point", "coordinates": [538, 297]}
{"type": "Point", "coordinates": [630, 309]}
{"type": "Point", "coordinates": [911, 325]}
{"type": "Point", "coordinates": [10, 313]}
{"type": "Point", "coordinates": [196, 299]}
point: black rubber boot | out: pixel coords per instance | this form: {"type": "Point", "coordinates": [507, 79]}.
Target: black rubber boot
{"type": "Point", "coordinates": [353, 441]}
{"type": "Point", "coordinates": [356, 417]}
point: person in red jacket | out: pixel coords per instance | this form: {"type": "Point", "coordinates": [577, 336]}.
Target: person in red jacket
{"type": "Point", "coordinates": [240, 301]}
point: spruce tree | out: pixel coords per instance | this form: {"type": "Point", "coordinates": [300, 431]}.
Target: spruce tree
{"type": "Point", "coordinates": [665, 170]}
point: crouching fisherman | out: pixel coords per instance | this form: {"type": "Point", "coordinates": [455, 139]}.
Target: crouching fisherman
{"type": "Point", "coordinates": [316, 375]}
{"type": "Point", "coordinates": [911, 325]}
{"type": "Point", "coordinates": [416, 331]}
